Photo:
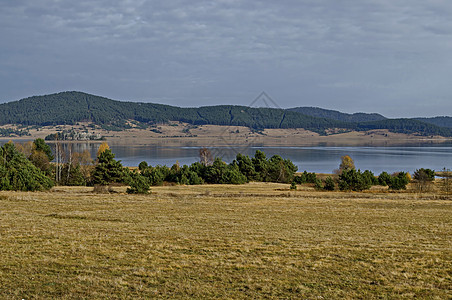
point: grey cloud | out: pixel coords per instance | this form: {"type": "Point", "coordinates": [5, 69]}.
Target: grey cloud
{"type": "Point", "coordinates": [349, 55]}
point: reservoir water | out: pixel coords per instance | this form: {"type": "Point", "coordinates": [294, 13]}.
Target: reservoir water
{"type": "Point", "coordinates": [322, 159]}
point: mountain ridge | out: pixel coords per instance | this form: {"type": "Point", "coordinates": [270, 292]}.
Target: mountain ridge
{"type": "Point", "coordinates": [337, 115]}
{"type": "Point", "coordinates": [72, 107]}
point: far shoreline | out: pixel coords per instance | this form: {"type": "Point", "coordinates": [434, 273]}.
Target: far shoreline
{"type": "Point", "coordinates": [183, 134]}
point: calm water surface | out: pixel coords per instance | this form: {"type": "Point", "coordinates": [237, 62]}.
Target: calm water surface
{"type": "Point", "coordinates": [322, 159]}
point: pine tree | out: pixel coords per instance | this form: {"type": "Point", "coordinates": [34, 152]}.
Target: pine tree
{"type": "Point", "coordinates": [108, 170]}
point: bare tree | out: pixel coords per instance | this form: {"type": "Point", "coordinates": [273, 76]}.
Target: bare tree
{"type": "Point", "coordinates": [446, 174]}
{"type": "Point", "coordinates": [205, 156]}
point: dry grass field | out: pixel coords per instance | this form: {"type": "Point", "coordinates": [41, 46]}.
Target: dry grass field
{"type": "Point", "coordinates": [177, 133]}
{"type": "Point", "coordinates": [247, 241]}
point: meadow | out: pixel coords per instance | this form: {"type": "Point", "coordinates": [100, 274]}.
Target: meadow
{"type": "Point", "coordinates": [257, 240]}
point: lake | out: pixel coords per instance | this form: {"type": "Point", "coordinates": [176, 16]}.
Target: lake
{"type": "Point", "coordinates": [321, 159]}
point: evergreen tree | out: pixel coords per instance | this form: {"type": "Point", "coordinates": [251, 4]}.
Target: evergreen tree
{"type": "Point", "coordinates": [261, 166]}
{"type": "Point", "coordinates": [40, 145]}
{"type": "Point", "coordinates": [139, 184]}
{"type": "Point", "coordinates": [329, 184]}
{"type": "Point", "coordinates": [246, 166]}
{"type": "Point", "coordinates": [399, 181]}
{"type": "Point", "coordinates": [108, 170]}
{"type": "Point", "coordinates": [280, 170]}
{"type": "Point", "coordinates": [232, 175]}
{"type": "Point", "coordinates": [384, 179]}
{"type": "Point", "coordinates": [352, 180]}
{"type": "Point", "coordinates": [72, 176]}
{"type": "Point", "coordinates": [18, 173]}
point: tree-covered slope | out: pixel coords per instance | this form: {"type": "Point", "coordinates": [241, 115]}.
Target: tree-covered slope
{"type": "Point", "coordinates": [438, 121]}
{"type": "Point", "coordinates": [73, 107]}
{"type": "Point", "coordinates": [409, 126]}
{"type": "Point", "coordinates": [337, 115]}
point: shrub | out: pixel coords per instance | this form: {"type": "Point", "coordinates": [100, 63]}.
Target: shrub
{"type": "Point", "coordinates": [18, 173]}
{"type": "Point", "coordinates": [138, 184]}
{"type": "Point", "coordinates": [143, 166]}
{"type": "Point", "coordinates": [72, 175]}
{"type": "Point", "coordinates": [299, 179]}
{"type": "Point", "coordinates": [384, 179]}
{"type": "Point", "coordinates": [157, 175]}
{"type": "Point", "coordinates": [310, 177]}
{"type": "Point", "coordinates": [424, 175]}
{"type": "Point", "coordinates": [399, 181]}
{"type": "Point", "coordinates": [352, 180]}
{"type": "Point", "coordinates": [370, 177]}
{"type": "Point", "coordinates": [329, 184]}
{"type": "Point", "coordinates": [232, 175]}
{"type": "Point", "coordinates": [318, 184]}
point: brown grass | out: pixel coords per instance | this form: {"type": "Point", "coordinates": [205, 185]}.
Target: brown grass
{"type": "Point", "coordinates": [176, 134]}
{"type": "Point", "coordinates": [248, 241]}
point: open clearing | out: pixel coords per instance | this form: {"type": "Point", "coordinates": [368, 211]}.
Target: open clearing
{"type": "Point", "coordinates": [222, 241]}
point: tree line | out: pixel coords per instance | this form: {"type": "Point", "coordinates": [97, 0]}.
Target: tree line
{"type": "Point", "coordinates": [33, 166]}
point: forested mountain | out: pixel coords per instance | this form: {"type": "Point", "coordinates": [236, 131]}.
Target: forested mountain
{"type": "Point", "coordinates": [438, 121]}
{"type": "Point", "coordinates": [73, 107]}
{"type": "Point", "coordinates": [337, 115]}
{"type": "Point", "coordinates": [409, 126]}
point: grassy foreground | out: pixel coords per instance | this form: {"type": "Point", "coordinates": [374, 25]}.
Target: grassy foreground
{"type": "Point", "coordinates": [249, 241]}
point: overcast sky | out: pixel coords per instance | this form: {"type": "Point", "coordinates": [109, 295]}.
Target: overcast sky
{"type": "Point", "coordinates": [393, 57]}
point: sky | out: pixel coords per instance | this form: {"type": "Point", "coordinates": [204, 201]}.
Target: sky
{"type": "Point", "coordinates": [392, 57]}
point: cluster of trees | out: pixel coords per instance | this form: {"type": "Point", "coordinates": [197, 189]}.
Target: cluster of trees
{"type": "Point", "coordinates": [28, 167]}
{"type": "Point", "coordinates": [73, 107]}
{"type": "Point", "coordinates": [409, 126]}
{"type": "Point", "coordinates": [438, 121]}
{"type": "Point", "coordinates": [350, 179]}
{"type": "Point", "coordinates": [72, 135]}
{"type": "Point", "coordinates": [355, 180]}
{"type": "Point", "coordinates": [17, 172]}
{"type": "Point", "coordinates": [241, 170]}
{"type": "Point", "coordinates": [336, 115]}
{"type": "Point", "coordinates": [8, 132]}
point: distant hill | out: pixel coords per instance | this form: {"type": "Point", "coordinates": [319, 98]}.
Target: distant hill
{"type": "Point", "coordinates": [336, 115]}
{"type": "Point", "coordinates": [73, 107]}
{"type": "Point", "coordinates": [438, 121]}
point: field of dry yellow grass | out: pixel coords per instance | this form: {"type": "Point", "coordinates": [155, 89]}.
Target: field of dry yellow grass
{"type": "Point", "coordinates": [178, 133]}
{"type": "Point", "coordinates": [258, 240]}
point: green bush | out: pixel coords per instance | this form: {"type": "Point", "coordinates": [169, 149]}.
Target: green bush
{"type": "Point", "coordinates": [352, 180]}
{"type": "Point", "coordinates": [18, 173]}
{"type": "Point", "coordinates": [384, 179]}
{"type": "Point", "coordinates": [108, 170]}
{"type": "Point", "coordinates": [424, 175]}
{"type": "Point", "coordinates": [138, 184]}
{"type": "Point", "coordinates": [232, 175]}
{"type": "Point", "coordinates": [399, 181]}
{"type": "Point", "coordinates": [329, 184]}
{"type": "Point", "coordinates": [318, 184]}
{"type": "Point", "coordinates": [72, 175]}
